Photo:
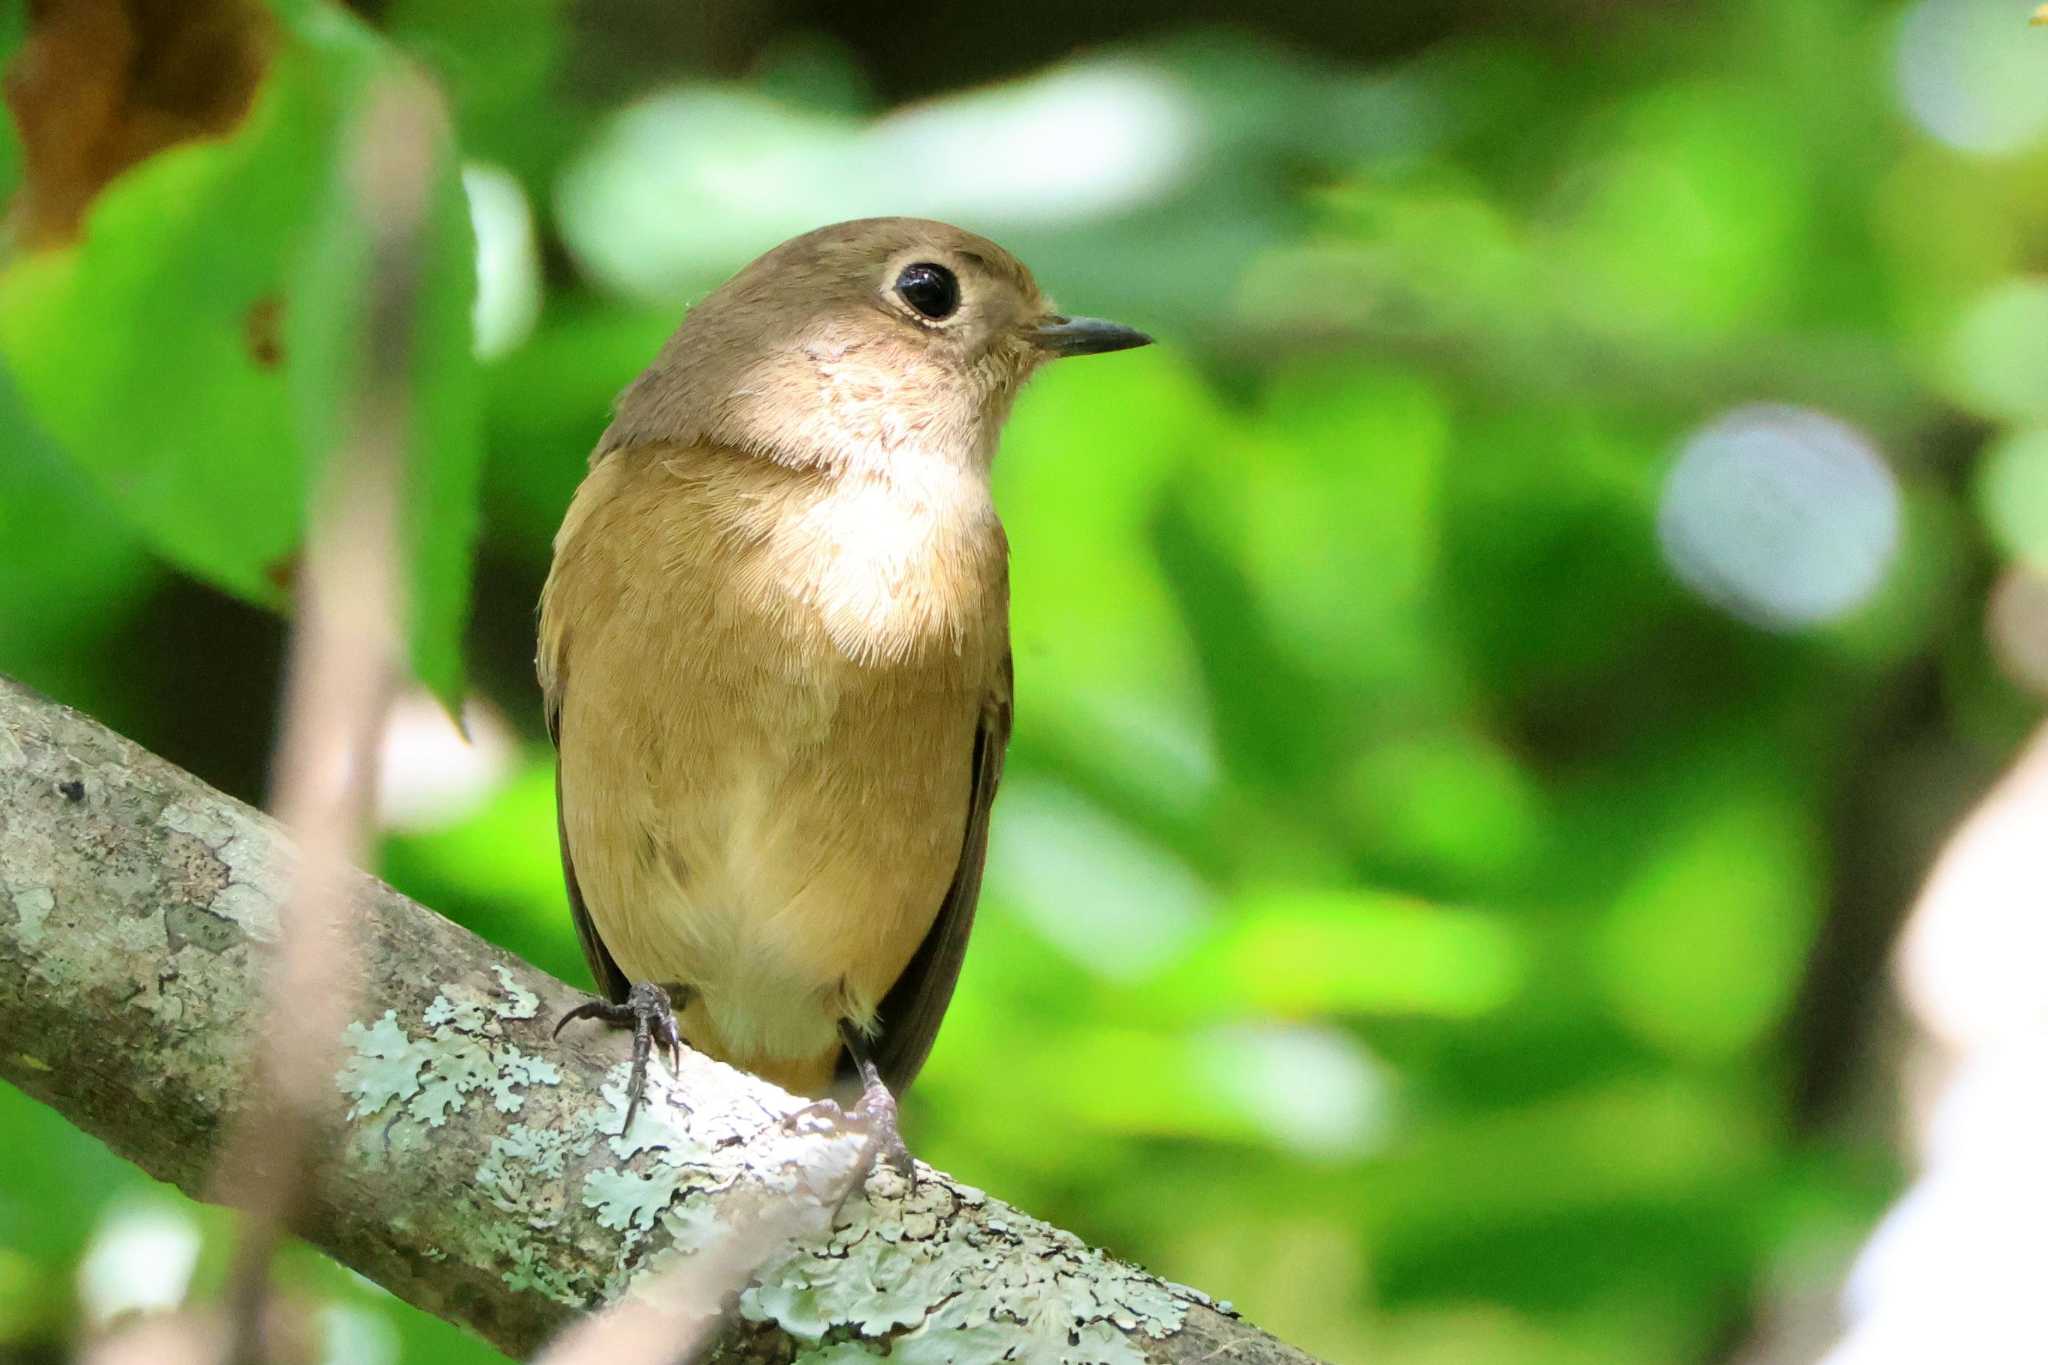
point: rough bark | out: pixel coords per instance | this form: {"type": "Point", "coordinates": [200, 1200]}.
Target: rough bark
{"type": "Point", "coordinates": [477, 1169]}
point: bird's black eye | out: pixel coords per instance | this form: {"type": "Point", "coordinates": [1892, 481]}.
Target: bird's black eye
{"type": "Point", "coordinates": [930, 289]}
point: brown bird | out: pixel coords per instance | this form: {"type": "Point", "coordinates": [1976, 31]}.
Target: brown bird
{"type": "Point", "coordinates": [774, 647]}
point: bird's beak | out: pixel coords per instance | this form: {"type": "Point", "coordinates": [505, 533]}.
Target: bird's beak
{"type": "Point", "coordinates": [1057, 335]}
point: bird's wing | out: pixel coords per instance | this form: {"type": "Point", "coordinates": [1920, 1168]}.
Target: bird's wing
{"type": "Point", "coordinates": [910, 1013]}
{"type": "Point", "coordinates": [611, 982]}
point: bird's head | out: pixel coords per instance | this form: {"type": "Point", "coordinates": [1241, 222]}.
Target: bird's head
{"type": "Point", "coordinates": [875, 340]}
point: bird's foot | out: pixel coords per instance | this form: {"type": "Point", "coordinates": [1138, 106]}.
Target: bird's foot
{"type": "Point", "coordinates": [877, 1109]}
{"type": "Point", "coordinates": [876, 1115]}
{"type": "Point", "coordinates": [651, 1015]}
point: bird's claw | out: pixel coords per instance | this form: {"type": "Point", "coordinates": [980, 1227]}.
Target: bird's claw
{"type": "Point", "coordinates": [877, 1108]}
{"type": "Point", "coordinates": [876, 1113]}
{"type": "Point", "coordinates": [649, 1012]}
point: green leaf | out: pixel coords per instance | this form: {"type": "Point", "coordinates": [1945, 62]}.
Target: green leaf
{"type": "Point", "coordinates": [1304, 953]}
{"type": "Point", "coordinates": [13, 28]}
{"type": "Point", "coordinates": [2012, 495]}
{"type": "Point", "coordinates": [187, 352]}
{"type": "Point", "coordinates": [134, 347]}
{"type": "Point", "coordinates": [68, 574]}
{"type": "Point", "coordinates": [330, 332]}
{"type": "Point", "coordinates": [1700, 954]}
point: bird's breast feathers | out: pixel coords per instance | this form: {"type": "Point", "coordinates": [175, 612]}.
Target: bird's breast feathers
{"type": "Point", "coordinates": [897, 567]}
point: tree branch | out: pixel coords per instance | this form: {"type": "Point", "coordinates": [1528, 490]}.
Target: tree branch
{"type": "Point", "coordinates": [474, 1168]}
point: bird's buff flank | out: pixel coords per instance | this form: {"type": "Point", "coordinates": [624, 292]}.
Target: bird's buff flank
{"type": "Point", "coordinates": [775, 652]}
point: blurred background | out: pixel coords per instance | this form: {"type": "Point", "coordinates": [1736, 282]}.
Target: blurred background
{"type": "Point", "coordinates": [1491, 684]}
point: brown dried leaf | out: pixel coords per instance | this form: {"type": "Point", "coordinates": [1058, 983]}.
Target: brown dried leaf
{"type": "Point", "coordinates": [100, 85]}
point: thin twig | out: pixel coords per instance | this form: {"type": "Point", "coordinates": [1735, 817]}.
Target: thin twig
{"type": "Point", "coordinates": [344, 665]}
{"type": "Point", "coordinates": [679, 1314]}
{"type": "Point", "coordinates": [673, 1317]}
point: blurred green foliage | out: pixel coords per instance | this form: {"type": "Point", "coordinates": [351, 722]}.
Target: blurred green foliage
{"type": "Point", "coordinates": [1413, 915]}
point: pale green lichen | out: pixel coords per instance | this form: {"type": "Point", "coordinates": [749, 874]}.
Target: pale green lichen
{"type": "Point", "coordinates": [529, 1267]}
{"type": "Point", "coordinates": [520, 1003]}
{"type": "Point", "coordinates": [628, 1199]}
{"type": "Point", "coordinates": [462, 1052]}
{"type": "Point", "coordinates": [258, 869]}
{"type": "Point", "coordinates": [692, 1225]}
{"type": "Point", "coordinates": [32, 905]}
{"type": "Point", "coordinates": [518, 1156]}
{"type": "Point", "coordinates": [516, 1069]}
{"type": "Point", "coordinates": [456, 1067]}
{"type": "Point", "coordinates": [445, 1014]}
{"type": "Point", "coordinates": [209, 824]}
{"type": "Point", "coordinates": [838, 1353]}
{"type": "Point", "coordinates": [383, 1065]}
